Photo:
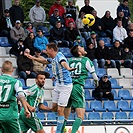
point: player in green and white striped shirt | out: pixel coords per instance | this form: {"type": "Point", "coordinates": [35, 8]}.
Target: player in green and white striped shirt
{"type": "Point", "coordinates": [35, 97]}
{"type": "Point", "coordinates": [9, 87]}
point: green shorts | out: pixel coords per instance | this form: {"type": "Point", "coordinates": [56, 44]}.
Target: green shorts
{"type": "Point", "coordinates": [26, 123]}
{"type": "Point", "coordinates": [11, 126]}
{"type": "Point", "coordinates": [77, 98]}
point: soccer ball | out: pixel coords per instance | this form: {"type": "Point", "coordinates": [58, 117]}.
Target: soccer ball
{"type": "Point", "coordinates": [88, 20]}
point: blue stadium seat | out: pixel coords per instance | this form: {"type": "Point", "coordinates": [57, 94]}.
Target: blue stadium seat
{"type": "Point", "coordinates": [110, 106]}
{"type": "Point", "coordinates": [124, 94]}
{"type": "Point", "coordinates": [41, 116]}
{"type": "Point", "coordinates": [71, 117]}
{"type": "Point", "coordinates": [114, 83]}
{"type": "Point", "coordinates": [107, 116]}
{"type": "Point", "coordinates": [123, 105]}
{"type": "Point", "coordinates": [49, 70]}
{"type": "Point", "coordinates": [88, 84]}
{"type": "Point", "coordinates": [101, 72]}
{"type": "Point", "coordinates": [87, 107]}
{"type": "Point", "coordinates": [130, 115]}
{"type": "Point", "coordinates": [87, 95]}
{"type": "Point", "coordinates": [23, 83]}
{"type": "Point", "coordinates": [94, 116]}
{"type": "Point", "coordinates": [107, 41]}
{"type": "Point", "coordinates": [52, 117]}
{"type": "Point", "coordinates": [45, 30]}
{"type": "Point", "coordinates": [66, 52]}
{"type": "Point", "coordinates": [121, 117]}
{"type": "Point", "coordinates": [131, 104]}
{"type": "Point", "coordinates": [115, 95]}
{"type": "Point", "coordinates": [97, 106]}
{"type": "Point", "coordinates": [4, 42]}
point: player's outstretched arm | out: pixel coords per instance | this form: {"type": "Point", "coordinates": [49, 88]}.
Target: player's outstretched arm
{"type": "Point", "coordinates": [43, 107]}
{"type": "Point", "coordinates": [65, 65]}
{"type": "Point", "coordinates": [41, 60]}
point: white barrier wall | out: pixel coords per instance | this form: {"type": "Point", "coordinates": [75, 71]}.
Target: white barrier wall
{"type": "Point", "coordinates": [94, 129]}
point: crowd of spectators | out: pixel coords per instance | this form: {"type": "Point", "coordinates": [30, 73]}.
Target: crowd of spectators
{"type": "Point", "coordinates": [66, 30]}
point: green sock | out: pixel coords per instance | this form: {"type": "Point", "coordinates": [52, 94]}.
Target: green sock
{"type": "Point", "coordinates": [63, 127]}
{"type": "Point", "coordinates": [76, 125]}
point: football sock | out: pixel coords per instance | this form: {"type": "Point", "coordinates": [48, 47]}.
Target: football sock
{"type": "Point", "coordinates": [63, 127]}
{"type": "Point", "coordinates": [76, 125]}
{"type": "Point", "coordinates": [60, 122]}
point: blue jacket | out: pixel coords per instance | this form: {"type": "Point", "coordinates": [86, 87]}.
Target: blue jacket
{"type": "Point", "coordinates": [41, 42]}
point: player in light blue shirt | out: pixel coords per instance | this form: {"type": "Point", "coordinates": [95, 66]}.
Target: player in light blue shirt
{"type": "Point", "coordinates": [63, 87]}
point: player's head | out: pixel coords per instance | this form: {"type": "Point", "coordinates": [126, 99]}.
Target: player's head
{"type": "Point", "coordinates": [51, 50]}
{"type": "Point", "coordinates": [40, 79]}
{"type": "Point", "coordinates": [78, 51]}
{"type": "Point", "coordinates": [7, 67]}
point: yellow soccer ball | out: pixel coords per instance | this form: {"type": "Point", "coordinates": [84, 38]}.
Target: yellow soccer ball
{"type": "Point", "coordinates": [88, 20]}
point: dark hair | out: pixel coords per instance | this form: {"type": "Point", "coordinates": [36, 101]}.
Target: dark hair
{"type": "Point", "coordinates": [46, 74]}
{"type": "Point", "coordinates": [53, 46]}
{"type": "Point", "coordinates": [74, 51]}
{"type": "Point", "coordinates": [125, 0]}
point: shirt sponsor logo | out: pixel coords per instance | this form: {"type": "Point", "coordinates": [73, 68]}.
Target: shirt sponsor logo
{"type": "Point", "coordinates": [4, 105]}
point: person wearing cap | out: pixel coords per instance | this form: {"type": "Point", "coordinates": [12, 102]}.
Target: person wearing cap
{"type": "Point", "coordinates": [16, 12]}
{"type": "Point", "coordinates": [41, 41]}
{"type": "Point", "coordinates": [29, 28]}
{"type": "Point", "coordinates": [57, 5]}
{"type": "Point", "coordinates": [6, 24]}
{"type": "Point", "coordinates": [18, 48]}
{"type": "Point", "coordinates": [68, 18]}
{"type": "Point", "coordinates": [17, 32]}
{"type": "Point", "coordinates": [37, 66]}
{"type": "Point", "coordinates": [71, 33]}
{"type": "Point", "coordinates": [57, 35]}
{"type": "Point", "coordinates": [93, 38]}
{"type": "Point", "coordinates": [55, 17]}
{"type": "Point", "coordinates": [104, 89]}
{"type": "Point", "coordinates": [37, 15]}
{"type": "Point", "coordinates": [71, 9]}
{"type": "Point", "coordinates": [78, 41]}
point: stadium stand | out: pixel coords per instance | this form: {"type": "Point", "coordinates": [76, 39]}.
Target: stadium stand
{"type": "Point", "coordinates": [126, 72]}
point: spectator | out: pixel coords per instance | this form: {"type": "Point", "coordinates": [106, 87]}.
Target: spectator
{"type": "Point", "coordinates": [119, 33]}
{"type": "Point", "coordinates": [108, 24]}
{"type": "Point", "coordinates": [129, 27]}
{"type": "Point", "coordinates": [97, 26]}
{"type": "Point", "coordinates": [116, 54]}
{"type": "Point", "coordinates": [6, 24]}
{"type": "Point", "coordinates": [71, 34]}
{"type": "Point", "coordinates": [40, 42]}
{"type": "Point", "coordinates": [87, 9]}
{"type": "Point", "coordinates": [57, 5]}
{"type": "Point", "coordinates": [16, 12]}
{"type": "Point", "coordinates": [79, 41]}
{"type": "Point", "coordinates": [68, 18]}
{"type": "Point", "coordinates": [55, 17]}
{"type": "Point", "coordinates": [57, 35]}
{"type": "Point", "coordinates": [124, 7]}
{"type": "Point", "coordinates": [104, 89]}
{"type": "Point", "coordinates": [71, 9]}
{"type": "Point", "coordinates": [25, 66]}
{"type": "Point", "coordinates": [17, 32]}
{"type": "Point", "coordinates": [37, 66]}
{"type": "Point", "coordinates": [18, 48]}
{"type": "Point", "coordinates": [29, 43]}
{"type": "Point", "coordinates": [103, 56]}
{"type": "Point", "coordinates": [29, 28]}
{"type": "Point", "coordinates": [127, 57]}
{"type": "Point", "coordinates": [81, 27]}
{"type": "Point", "coordinates": [122, 18]}
{"type": "Point", "coordinates": [91, 54]}
{"type": "Point", "coordinates": [128, 42]}
{"type": "Point", "coordinates": [93, 38]}
{"type": "Point", "coordinates": [37, 15]}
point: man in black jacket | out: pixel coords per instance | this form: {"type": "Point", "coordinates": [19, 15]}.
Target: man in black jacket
{"type": "Point", "coordinates": [104, 89]}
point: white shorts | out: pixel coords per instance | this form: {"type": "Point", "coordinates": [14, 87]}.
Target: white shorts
{"type": "Point", "coordinates": [61, 94]}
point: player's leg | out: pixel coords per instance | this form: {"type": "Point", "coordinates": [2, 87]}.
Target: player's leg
{"type": "Point", "coordinates": [65, 92]}
{"type": "Point", "coordinates": [78, 121]}
{"type": "Point", "coordinates": [11, 125]}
